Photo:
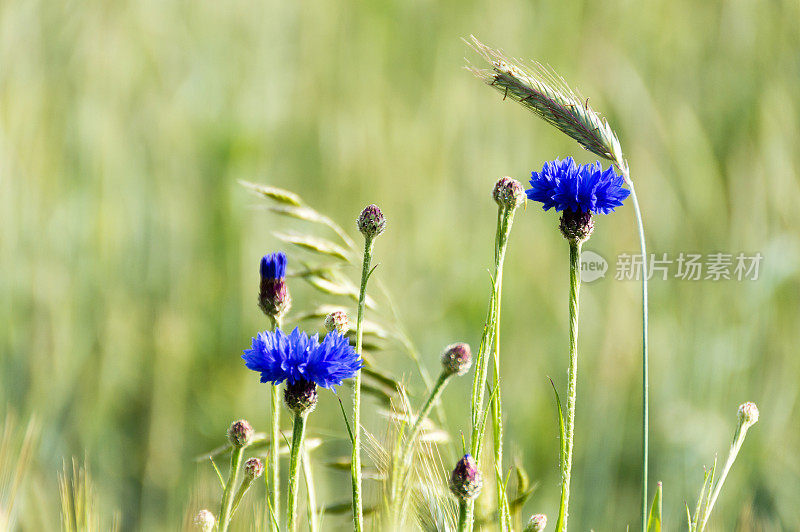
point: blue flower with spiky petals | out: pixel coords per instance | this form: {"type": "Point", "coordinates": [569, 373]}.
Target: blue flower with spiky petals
{"type": "Point", "coordinates": [297, 357]}
{"type": "Point", "coordinates": [273, 266]}
{"type": "Point", "coordinates": [568, 186]}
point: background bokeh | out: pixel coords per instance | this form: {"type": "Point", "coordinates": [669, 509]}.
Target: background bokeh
{"type": "Point", "coordinates": [128, 252]}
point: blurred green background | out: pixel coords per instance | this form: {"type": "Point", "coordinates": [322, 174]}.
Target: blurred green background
{"type": "Point", "coordinates": [128, 252]}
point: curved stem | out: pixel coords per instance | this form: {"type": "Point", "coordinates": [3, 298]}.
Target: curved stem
{"type": "Point", "coordinates": [294, 464]}
{"type": "Point", "coordinates": [566, 466]}
{"type": "Point", "coordinates": [227, 494]}
{"type": "Point", "coordinates": [645, 370]}
{"type": "Point", "coordinates": [738, 439]}
{"type": "Point", "coordinates": [408, 450]}
{"type": "Point", "coordinates": [355, 463]}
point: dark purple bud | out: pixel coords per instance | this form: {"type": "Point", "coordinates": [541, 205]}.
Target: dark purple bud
{"type": "Point", "coordinates": [273, 297]}
{"type": "Point", "coordinates": [240, 433]}
{"type": "Point", "coordinates": [371, 221]}
{"type": "Point", "coordinates": [457, 359]}
{"type": "Point", "coordinates": [509, 193]}
{"type": "Point", "coordinates": [253, 468]}
{"type": "Point", "coordinates": [466, 480]}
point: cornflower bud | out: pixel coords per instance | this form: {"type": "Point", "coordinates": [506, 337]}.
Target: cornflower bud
{"type": "Point", "coordinates": [301, 397]}
{"type": "Point", "coordinates": [371, 221]}
{"type": "Point", "coordinates": [457, 359]}
{"type": "Point", "coordinates": [537, 523]}
{"type": "Point", "coordinates": [205, 520]}
{"type": "Point", "coordinates": [253, 468]}
{"type": "Point", "coordinates": [273, 295]}
{"type": "Point", "coordinates": [466, 480]}
{"type": "Point", "coordinates": [337, 321]}
{"type": "Point", "coordinates": [509, 193]}
{"type": "Point", "coordinates": [240, 433]}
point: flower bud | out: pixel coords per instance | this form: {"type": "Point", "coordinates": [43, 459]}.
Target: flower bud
{"type": "Point", "coordinates": [509, 193]}
{"type": "Point", "coordinates": [301, 397]}
{"type": "Point", "coordinates": [371, 221]}
{"type": "Point", "coordinates": [466, 480]}
{"type": "Point", "coordinates": [576, 227]}
{"type": "Point", "coordinates": [253, 468]}
{"type": "Point", "coordinates": [205, 521]}
{"type": "Point", "coordinates": [337, 321]}
{"type": "Point", "coordinates": [456, 359]}
{"type": "Point", "coordinates": [537, 523]}
{"type": "Point", "coordinates": [273, 295]}
{"type": "Point", "coordinates": [748, 414]}
{"type": "Point", "coordinates": [240, 433]}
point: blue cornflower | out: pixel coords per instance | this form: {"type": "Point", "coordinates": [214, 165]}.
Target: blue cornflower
{"type": "Point", "coordinates": [568, 186]}
{"type": "Point", "coordinates": [273, 266]}
{"type": "Point", "coordinates": [297, 357]}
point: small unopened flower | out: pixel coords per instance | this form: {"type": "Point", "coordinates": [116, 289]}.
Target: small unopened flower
{"type": "Point", "coordinates": [297, 357]}
{"type": "Point", "coordinates": [536, 523]}
{"type": "Point", "coordinates": [466, 480]}
{"type": "Point", "coordinates": [457, 359]}
{"type": "Point", "coordinates": [337, 321]}
{"type": "Point", "coordinates": [371, 221]}
{"type": "Point", "coordinates": [273, 295]}
{"type": "Point", "coordinates": [253, 468]}
{"type": "Point", "coordinates": [205, 521]}
{"type": "Point", "coordinates": [508, 193]}
{"type": "Point", "coordinates": [301, 397]}
{"type": "Point", "coordinates": [579, 191]}
{"type": "Point", "coordinates": [240, 433]}
{"type": "Point", "coordinates": [748, 414]}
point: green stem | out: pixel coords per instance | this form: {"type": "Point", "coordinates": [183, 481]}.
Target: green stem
{"type": "Point", "coordinates": [313, 523]}
{"type": "Point", "coordinates": [738, 439]}
{"type": "Point", "coordinates": [497, 409]}
{"type": "Point", "coordinates": [227, 500]}
{"type": "Point", "coordinates": [355, 463]}
{"type": "Point", "coordinates": [408, 451]}
{"type": "Point", "coordinates": [273, 493]}
{"type": "Point", "coordinates": [294, 463]}
{"type": "Point", "coordinates": [566, 465]}
{"type": "Point", "coordinates": [464, 517]}
{"type": "Point", "coordinates": [505, 218]}
{"type": "Point", "coordinates": [623, 166]}
{"type": "Point", "coordinates": [240, 493]}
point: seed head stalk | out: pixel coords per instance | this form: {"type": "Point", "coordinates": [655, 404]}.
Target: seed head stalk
{"type": "Point", "coordinates": [622, 165]}
{"type": "Point", "coordinates": [505, 218]}
{"type": "Point", "coordinates": [355, 468]}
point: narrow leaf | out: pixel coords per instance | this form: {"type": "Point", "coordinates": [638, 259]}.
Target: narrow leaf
{"type": "Point", "coordinates": [654, 521]}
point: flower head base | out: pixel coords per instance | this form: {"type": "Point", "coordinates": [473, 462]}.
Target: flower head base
{"type": "Point", "coordinates": [371, 221]}
{"type": "Point", "coordinates": [240, 433]}
{"type": "Point", "coordinates": [466, 481]}
{"type": "Point", "coordinates": [537, 523]}
{"type": "Point", "coordinates": [273, 295]}
{"type": "Point", "coordinates": [337, 321]}
{"type": "Point", "coordinates": [586, 188]}
{"type": "Point", "coordinates": [205, 520]}
{"type": "Point", "coordinates": [253, 468]}
{"type": "Point", "coordinates": [301, 397]}
{"type": "Point", "coordinates": [748, 414]}
{"type": "Point", "coordinates": [576, 227]}
{"type": "Point", "coordinates": [508, 193]}
{"type": "Point", "coordinates": [297, 357]}
{"type": "Point", "coordinates": [457, 359]}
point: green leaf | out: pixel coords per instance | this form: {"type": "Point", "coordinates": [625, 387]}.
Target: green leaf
{"type": "Point", "coordinates": [654, 521]}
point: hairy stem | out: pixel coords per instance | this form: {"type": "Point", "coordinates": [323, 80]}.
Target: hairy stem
{"type": "Point", "coordinates": [355, 465]}
{"type": "Point", "coordinates": [227, 494]}
{"type": "Point", "coordinates": [505, 217]}
{"type": "Point", "coordinates": [294, 465]}
{"type": "Point", "coordinates": [398, 479]}
{"type": "Point", "coordinates": [566, 465]}
{"type": "Point", "coordinates": [738, 439]}
{"type": "Point", "coordinates": [273, 493]}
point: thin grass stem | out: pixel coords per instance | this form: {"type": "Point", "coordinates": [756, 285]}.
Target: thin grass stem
{"type": "Point", "coordinates": [298, 435]}
{"type": "Point", "coordinates": [273, 494]}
